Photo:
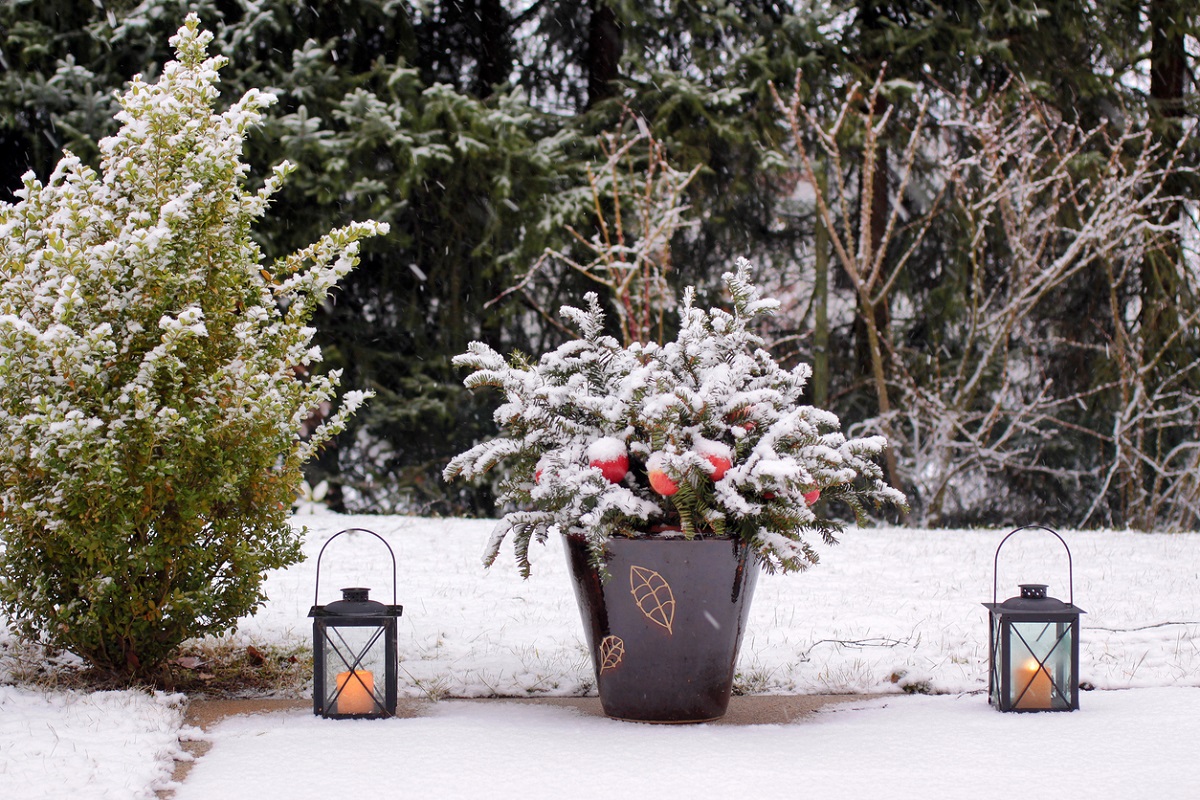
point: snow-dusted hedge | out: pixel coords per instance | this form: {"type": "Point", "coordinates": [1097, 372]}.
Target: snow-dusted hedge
{"type": "Point", "coordinates": [154, 376]}
{"type": "Point", "coordinates": [706, 434]}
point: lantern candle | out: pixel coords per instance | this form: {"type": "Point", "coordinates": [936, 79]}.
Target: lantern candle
{"type": "Point", "coordinates": [355, 692]}
{"type": "Point", "coordinates": [1036, 680]}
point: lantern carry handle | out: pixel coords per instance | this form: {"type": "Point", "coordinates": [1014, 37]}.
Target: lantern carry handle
{"type": "Point", "coordinates": [317, 590]}
{"type": "Point", "coordinates": [996, 562]}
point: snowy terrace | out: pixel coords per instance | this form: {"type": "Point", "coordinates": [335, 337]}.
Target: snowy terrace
{"type": "Point", "coordinates": [888, 611]}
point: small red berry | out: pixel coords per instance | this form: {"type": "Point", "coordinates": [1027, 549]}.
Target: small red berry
{"type": "Point", "coordinates": [740, 418]}
{"type": "Point", "coordinates": [721, 465]}
{"type": "Point", "coordinates": [609, 456]}
{"type": "Point", "coordinates": [716, 453]}
{"type": "Point", "coordinates": [660, 481]}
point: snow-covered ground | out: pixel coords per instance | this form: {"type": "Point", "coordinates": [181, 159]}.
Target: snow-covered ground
{"type": "Point", "coordinates": [1122, 745]}
{"type": "Point", "coordinates": [886, 610]}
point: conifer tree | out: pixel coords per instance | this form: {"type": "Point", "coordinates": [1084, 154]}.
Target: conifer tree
{"type": "Point", "coordinates": [469, 125]}
{"type": "Point", "coordinates": [155, 373]}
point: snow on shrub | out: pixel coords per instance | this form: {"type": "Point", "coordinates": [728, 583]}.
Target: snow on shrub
{"type": "Point", "coordinates": [154, 376]}
{"type": "Point", "coordinates": [716, 439]}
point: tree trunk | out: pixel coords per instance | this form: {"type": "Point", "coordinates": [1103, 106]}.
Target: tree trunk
{"type": "Point", "coordinates": [1168, 58]}
{"type": "Point", "coordinates": [879, 381]}
{"type": "Point", "coordinates": [1168, 73]}
{"type": "Point", "coordinates": [820, 376]}
{"type": "Point", "coordinates": [1161, 285]}
{"type": "Point", "coordinates": [873, 19]}
{"type": "Point", "coordinates": [494, 58]}
{"type": "Point", "coordinates": [603, 52]}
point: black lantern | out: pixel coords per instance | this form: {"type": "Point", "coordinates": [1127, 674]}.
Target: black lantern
{"type": "Point", "coordinates": [354, 650]}
{"type": "Point", "coordinates": [1034, 654]}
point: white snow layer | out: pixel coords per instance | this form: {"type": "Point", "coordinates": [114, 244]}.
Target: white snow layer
{"type": "Point", "coordinates": [87, 745]}
{"type": "Point", "coordinates": [1125, 745]}
{"type": "Point", "coordinates": [886, 610]}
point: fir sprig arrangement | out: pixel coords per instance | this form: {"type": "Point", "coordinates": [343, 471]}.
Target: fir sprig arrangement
{"type": "Point", "coordinates": [705, 435]}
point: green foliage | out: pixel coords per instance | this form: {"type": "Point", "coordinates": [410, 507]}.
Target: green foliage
{"type": "Point", "coordinates": [468, 125]}
{"type": "Point", "coordinates": [701, 436]}
{"type": "Point", "coordinates": [473, 187]}
{"type": "Point", "coordinates": [154, 376]}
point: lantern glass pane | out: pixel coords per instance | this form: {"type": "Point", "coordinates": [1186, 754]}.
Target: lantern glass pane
{"type": "Point", "coordinates": [1039, 664]}
{"type": "Point", "coordinates": [355, 669]}
{"type": "Point", "coordinates": [994, 662]}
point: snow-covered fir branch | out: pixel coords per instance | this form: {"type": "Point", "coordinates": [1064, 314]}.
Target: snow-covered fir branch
{"type": "Point", "coordinates": [700, 436]}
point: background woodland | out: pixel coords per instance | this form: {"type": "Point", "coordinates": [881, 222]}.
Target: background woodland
{"type": "Point", "coordinates": [980, 215]}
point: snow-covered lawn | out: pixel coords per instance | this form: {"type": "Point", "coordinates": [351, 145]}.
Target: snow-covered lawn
{"type": "Point", "coordinates": [887, 609]}
{"type": "Point", "coordinates": [84, 745]}
{"type": "Point", "coordinates": [1123, 745]}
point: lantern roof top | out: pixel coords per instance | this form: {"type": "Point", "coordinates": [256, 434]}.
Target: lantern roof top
{"type": "Point", "coordinates": [1033, 602]}
{"type": "Point", "coordinates": [355, 602]}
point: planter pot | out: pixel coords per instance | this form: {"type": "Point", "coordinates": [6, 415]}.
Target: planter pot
{"type": "Point", "coordinates": [665, 627]}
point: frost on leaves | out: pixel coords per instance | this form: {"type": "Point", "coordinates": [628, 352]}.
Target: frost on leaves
{"type": "Point", "coordinates": [154, 375]}
{"type": "Point", "coordinates": [714, 435]}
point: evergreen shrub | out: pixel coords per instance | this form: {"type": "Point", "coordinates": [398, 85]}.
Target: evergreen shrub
{"type": "Point", "coordinates": [154, 378]}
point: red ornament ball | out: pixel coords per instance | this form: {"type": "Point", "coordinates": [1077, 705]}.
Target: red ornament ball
{"type": "Point", "coordinates": [609, 456]}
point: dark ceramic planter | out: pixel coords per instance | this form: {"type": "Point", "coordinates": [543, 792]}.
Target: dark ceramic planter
{"type": "Point", "coordinates": [665, 628]}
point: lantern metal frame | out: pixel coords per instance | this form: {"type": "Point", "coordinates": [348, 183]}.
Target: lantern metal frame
{"type": "Point", "coordinates": [327, 624]}
{"type": "Point", "coordinates": [1006, 623]}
